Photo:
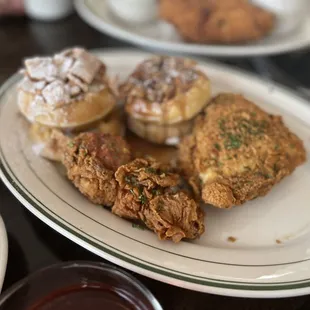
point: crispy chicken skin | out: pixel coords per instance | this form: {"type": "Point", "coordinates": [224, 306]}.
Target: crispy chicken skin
{"type": "Point", "coordinates": [238, 151]}
{"type": "Point", "coordinates": [153, 193]}
{"type": "Point", "coordinates": [214, 21]}
{"type": "Point", "coordinates": [91, 160]}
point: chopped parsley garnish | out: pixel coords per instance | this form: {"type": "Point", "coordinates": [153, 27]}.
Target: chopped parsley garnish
{"type": "Point", "coordinates": [134, 225]}
{"type": "Point", "coordinates": [150, 170]}
{"type": "Point", "coordinates": [265, 175]}
{"type": "Point", "coordinates": [217, 146]}
{"type": "Point", "coordinates": [130, 179]}
{"type": "Point", "coordinates": [276, 147]}
{"type": "Point", "coordinates": [142, 199]}
{"type": "Point", "coordinates": [160, 207]}
{"type": "Point", "coordinates": [233, 142]}
{"type": "Point", "coordinates": [82, 147]}
{"type": "Point", "coordinates": [292, 145]}
{"type": "Point", "coordinates": [155, 192]}
{"type": "Point", "coordinates": [253, 114]}
{"type": "Point", "coordinates": [221, 123]}
{"type": "Point", "coordinates": [71, 144]}
{"type": "Point", "coordinates": [253, 127]}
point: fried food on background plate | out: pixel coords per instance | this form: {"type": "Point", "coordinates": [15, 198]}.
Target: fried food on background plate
{"type": "Point", "coordinates": [91, 160]}
{"type": "Point", "coordinates": [152, 193]}
{"type": "Point", "coordinates": [238, 152]}
{"type": "Point", "coordinates": [217, 21]}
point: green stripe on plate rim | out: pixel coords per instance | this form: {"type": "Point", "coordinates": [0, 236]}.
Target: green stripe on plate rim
{"type": "Point", "coordinates": [21, 192]}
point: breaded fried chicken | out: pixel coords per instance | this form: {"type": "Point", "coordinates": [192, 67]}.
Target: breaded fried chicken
{"type": "Point", "coordinates": [238, 151]}
{"type": "Point", "coordinates": [153, 193]}
{"type": "Point", "coordinates": [91, 160]}
{"type": "Point", "coordinates": [214, 21]}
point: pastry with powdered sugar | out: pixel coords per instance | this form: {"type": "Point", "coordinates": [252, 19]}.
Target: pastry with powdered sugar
{"type": "Point", "coordinates": [162, 97]}
{"type": "Point", "coordinates": [66, 93]}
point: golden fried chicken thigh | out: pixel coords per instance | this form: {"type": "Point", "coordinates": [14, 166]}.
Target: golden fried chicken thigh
{"type": "Point", "coordinates": [153, 193]}
{"type": "Point", "coordinates": [214, 21]}
{"type": "Point", "coordinates": [91, 160]}
{"type": "Point", "coordinates": [238, 151]}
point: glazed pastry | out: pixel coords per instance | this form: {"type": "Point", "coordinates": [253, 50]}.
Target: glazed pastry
{"type": "Point", "coordinates": [211, 21]}
{"type": "Point", "coordinates": [160, 133]}
{"type": "Point", "coordinates": [67, 90]}
{"type": "Point", "coordinates": [162, 97]}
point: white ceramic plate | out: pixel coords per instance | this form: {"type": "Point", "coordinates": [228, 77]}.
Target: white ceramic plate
{"type": "Point", "coordinates": [3, 251]}
{"type": "Point", "coordinates": [253, 266]}
{"type": "Point", "coordinates": [162, 36]}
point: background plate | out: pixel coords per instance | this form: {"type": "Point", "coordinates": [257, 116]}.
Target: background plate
{"type": "Point", "coordinates": [271, 257]}
{"type": "Point", "coordinates": [162, 36]}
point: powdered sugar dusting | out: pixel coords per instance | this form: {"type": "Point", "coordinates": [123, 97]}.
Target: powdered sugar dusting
{"type": "Point", "coordinates": [160, 78]}
{"type": "Point", "coordinates": [85, 67]}
{"type": "Point", "coordinates": [63, 78]}
{"type": "Point", "coordinates": [56, 93]}
{"type": "Point", "coordinates": [41, 68]}
{"type": "Point", "coordinates": [64, 64]}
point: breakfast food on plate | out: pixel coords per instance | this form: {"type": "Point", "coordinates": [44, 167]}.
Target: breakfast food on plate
{"type": "Point", "coordinates": [238, 152]}
{"type": "Point", "coordinates": [163, 96]}
{"type": "Point", "coordinates": [152, 193]}
{"type": "Point", "coordinates": [68, 92]}
{"type": "Point", "coordinates": [231, 151]}
{"type": "Point", "coordinates": [91, 160]}
{"type": "Point", "coordinates": [214, 21]}
{"type": "Point", "coordinates": [49, 142]}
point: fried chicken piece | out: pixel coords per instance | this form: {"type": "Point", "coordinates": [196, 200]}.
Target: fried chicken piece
{"type": "Point", "coordinates": [156, 195]}
{"type": "Point", "coordinates": [238, 151]}
{"type": "Point", "coordinates": [91, 160]}
{"type": "Point", "coordinates": [212, 21]}
{"type": "Point", "coordinates": [50, 142]}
